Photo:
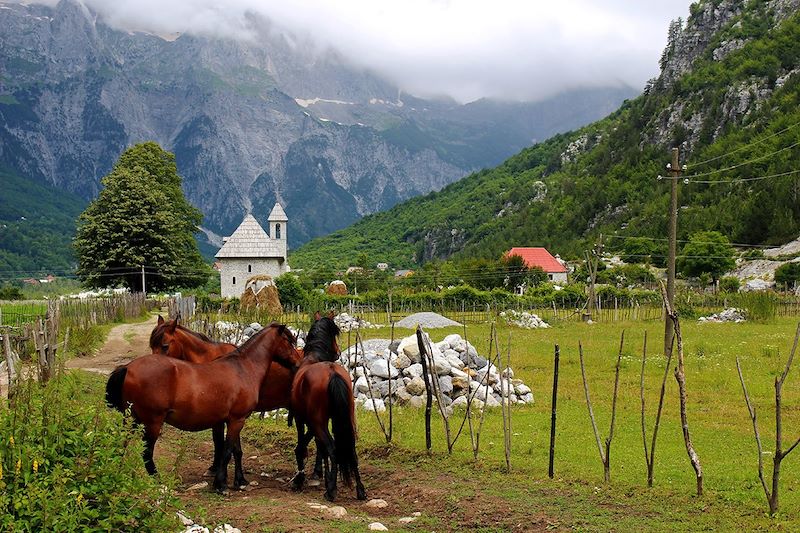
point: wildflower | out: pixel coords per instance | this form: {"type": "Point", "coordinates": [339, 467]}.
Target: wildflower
{"type": "Point", "coordinates": [11, 440]}
{"type": "Point", "coordinates": [79, 499]}
{"type": "Point", "coordinates": [18, 467]}
{"type": "Point", "coordinates": [35, 466]}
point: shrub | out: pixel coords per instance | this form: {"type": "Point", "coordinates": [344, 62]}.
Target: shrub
{"type": "Point", "coordinates": [69, 464]}
{"type": "Point", "coordinates": [9, 292]}
{"type": "Point", "coordinates": [788, 274]}
{"type": "Point", "coordinates": [290, 291]}
{"type": "Point", "coordinates": [729, 284]}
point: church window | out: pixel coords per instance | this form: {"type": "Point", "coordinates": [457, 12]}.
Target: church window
{"type": "Point", "coordinates": [277, 231]}
{"type": "Point", "coordinates": [249, 268]}
{"type": "Point", "coordinates": [234, 280]}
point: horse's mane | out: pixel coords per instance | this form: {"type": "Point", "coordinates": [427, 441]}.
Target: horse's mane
{"type": "Point", "coordinates": [284, 332]}
{"type": "Point", "coordinates": [319, 339]}
{"type": "Point", "coordinates": [157, 335]}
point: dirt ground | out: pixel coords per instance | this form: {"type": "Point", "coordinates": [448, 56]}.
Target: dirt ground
{"type": "Point", "coordinates": [443, 502]}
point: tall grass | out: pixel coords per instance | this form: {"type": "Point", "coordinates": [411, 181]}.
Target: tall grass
{"type": "Point", "coordinates": [70, 464]}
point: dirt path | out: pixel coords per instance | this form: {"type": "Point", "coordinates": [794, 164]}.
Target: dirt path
{"type": "Point", "coordinates": [124, 343]}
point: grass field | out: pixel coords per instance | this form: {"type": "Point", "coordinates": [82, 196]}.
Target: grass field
{"type": "Point", "coordinates": [578, 498]}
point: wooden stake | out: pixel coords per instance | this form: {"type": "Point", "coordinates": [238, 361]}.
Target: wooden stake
{"type": "Point", "coordinates": [680, 377]}
{"type": "Point", "coordinates": [553, 414]}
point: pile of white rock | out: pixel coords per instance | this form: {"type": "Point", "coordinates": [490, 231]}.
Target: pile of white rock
{"type": "Point", "coordinates": [523, 319]}
{"type": "Point", "coordinates": [459, 371]}
{"type": "Point", "coordinates": [731, 314]}
{"type": "Point", "coordinates": [350, 323]}
{"type": "Point", "coordinates": [238, 334]}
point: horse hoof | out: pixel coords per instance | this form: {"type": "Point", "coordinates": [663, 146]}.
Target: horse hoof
{"type": "Point", "coordinates": [297, 481]}
{"type": "Point", "coordinates": [330, 496]}
{"type": "Point", "coordinates": [211, 472]}
{"type": "Point", "coordinates": [361, 495]}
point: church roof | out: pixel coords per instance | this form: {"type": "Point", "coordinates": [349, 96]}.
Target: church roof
{"type": "Point", "coordinates": [249, 240]}
{"type": "Point", "coordinates": [278, 214]}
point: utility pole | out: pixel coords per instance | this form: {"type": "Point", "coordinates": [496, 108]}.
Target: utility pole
{"type": "Point", "coordinates": [144, 289]}
{"type": "Point", "coordinates": [675, 169]}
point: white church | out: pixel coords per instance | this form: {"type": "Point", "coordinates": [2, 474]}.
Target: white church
{"type": "Point", "coordinates": [251, 252]}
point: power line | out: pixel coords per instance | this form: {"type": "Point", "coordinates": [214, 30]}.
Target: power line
{"type": "Point", "coordinates": [750, 145]}
{"type": "Point", "coordinates": [738, 165]}
{"type": "Point", "coordinates": [663, 239]}
{"type": "Point", "coordinates": [739, 180]}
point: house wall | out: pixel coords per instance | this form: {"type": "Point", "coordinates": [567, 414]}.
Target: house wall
{"type": "Point", "coordinates": [238, 268]}
{"type": "Point", "coordinates": [557, 277]}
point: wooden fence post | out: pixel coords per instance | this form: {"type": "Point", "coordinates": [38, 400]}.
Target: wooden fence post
{"type": "Point", "coordinates": [553, 414]}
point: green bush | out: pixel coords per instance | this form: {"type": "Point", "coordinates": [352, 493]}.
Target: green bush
{"type": "Point", "coordinates": [787, 274]}
{"type": "Point", "coordinates": [70, 464]}
{"type": "Point", "coordinates": [9, 292]}
{"type": "Point", "coordinates": [290, 291]}
{"type": "Point", "coordinates": [729, 284]}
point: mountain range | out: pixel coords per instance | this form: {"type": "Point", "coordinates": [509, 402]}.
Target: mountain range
{"type": "Point", "coordinates": [728, 96]}
{"type": "Point", "coordinates": [251, 122]}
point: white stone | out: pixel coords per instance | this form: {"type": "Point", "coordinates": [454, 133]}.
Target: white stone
{"type": "Point", "coordinates": [522, 389]}
{"type": "Point", "coordinates": [416, 387]}
{"type": "Point", "coordinates": [414, 370]}
{"type": "Point", "coordinates": [377, 526]}
{"type": "Point", "coordinates": [407, 519]}
{"type": "Point", "coordinates": [381, 368]}
{"type": "Point", "coordinates": [375, 405]}
{"type": "Point", "coordinates": [410, 348]}
{"type": "Point", "coordinates": [185, 520]}
{"type": "Point", "coordinates": [456, 373]}
{"type": "Point", "coordinates": [402, 361]}
{"type": "Point", "coordinates": [362, 385]}
{"type": "Point", "coordinates": [337, 511]}
{"type": "Point", "coordinates": [377, 503]}
{"type": "Point", "coordinates": [441, 366]}
{"type": "Point", "coordinates": [461, 401]}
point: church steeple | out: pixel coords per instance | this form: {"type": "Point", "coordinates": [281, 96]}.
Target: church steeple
{"type": "Point", "coordinates": [277, 226]}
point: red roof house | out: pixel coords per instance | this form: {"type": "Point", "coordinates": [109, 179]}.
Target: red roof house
{"type": "Point", "coordinates": [540, 257]}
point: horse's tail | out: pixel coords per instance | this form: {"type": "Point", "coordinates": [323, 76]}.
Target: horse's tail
{"type": "Point", "coordinates": [114, 388]}
{"type": "Point", "coordinates": [342, 413]}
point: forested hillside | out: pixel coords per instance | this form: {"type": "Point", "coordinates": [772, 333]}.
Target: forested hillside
{"type": "Point", "coordinates": [727, 95]}
{"type": "Point", "coordinates": [37, 224]}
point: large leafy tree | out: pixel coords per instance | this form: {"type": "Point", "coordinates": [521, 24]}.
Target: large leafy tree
{"type": "Point", "coordinates": [707, 252]}
{"type": "Point", "coordinates": [140, 218]}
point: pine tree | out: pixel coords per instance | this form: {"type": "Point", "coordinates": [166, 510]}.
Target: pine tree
{"type": "Point", "coordinates": [140, 218]}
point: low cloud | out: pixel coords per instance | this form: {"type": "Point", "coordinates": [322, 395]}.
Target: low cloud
{"type": "Point", "coordinates": [515, 49]}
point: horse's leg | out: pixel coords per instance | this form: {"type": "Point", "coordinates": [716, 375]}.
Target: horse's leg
{"type": "Point", "coordinates": [361, 493]}
{"type": "Point", "coordinates": [221, 477]}
{"type": "Point", "coordinates": [300, 453]}
{"type": "Point", "coordinates": [326, 441]}
{"type": "Point", "coordinates": [218, 436]}
{"type": "Point", "coordinates": [151, 433]}
{"type": "Point", "coordinates": [238, 476]}
{"type": "Point", "coordinates": [318, 474]}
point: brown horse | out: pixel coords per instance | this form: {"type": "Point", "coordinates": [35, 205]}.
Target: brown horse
{"type": "Point", "coordinates": [194, 397]}
{"type": "Point", "coordinates": [322, 391]}
{"type": "Point", "coordinates": [174, 340]}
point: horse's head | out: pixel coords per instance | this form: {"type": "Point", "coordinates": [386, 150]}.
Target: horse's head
{"type": "Point", "coordinates": [164, 338]}
{"type": "Point", "coordinates": [321, 339]}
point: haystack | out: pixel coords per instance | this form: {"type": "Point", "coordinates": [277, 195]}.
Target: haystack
{"type": "Point", "coordinates": [337, 287]}
{"type": "Point", "coordinates": [260, 292]}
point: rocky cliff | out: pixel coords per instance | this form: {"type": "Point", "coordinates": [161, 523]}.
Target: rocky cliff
{"type": "Point", "coordinates": [250, 122]}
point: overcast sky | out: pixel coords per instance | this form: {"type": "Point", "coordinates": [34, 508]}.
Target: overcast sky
{"type": "Point", "coordinates": [517, 49]}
